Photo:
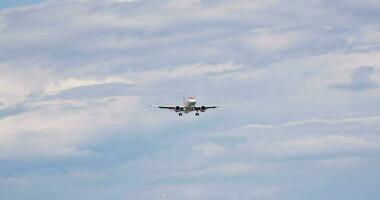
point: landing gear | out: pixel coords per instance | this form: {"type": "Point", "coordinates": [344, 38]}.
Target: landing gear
{"type": "Point", "coordinates": [197, 114]}
{"type": "Point", "coordinates": [179, 114]}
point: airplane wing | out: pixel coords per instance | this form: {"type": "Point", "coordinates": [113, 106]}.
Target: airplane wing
{"type": "Point", "coordinates": [177, 108]}
{"type": "Point", "coordinates": [204, 108]}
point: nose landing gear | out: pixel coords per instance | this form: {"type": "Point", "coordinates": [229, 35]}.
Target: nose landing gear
{"type": "Point", "coordinates": [196, 114]}
{"type": "Point", "coordinates": [179, 114]}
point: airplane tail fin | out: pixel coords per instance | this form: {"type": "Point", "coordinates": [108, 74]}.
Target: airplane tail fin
{"type": "Point", "coordinates": [184, 100]}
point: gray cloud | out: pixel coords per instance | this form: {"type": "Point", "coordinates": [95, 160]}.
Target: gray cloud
{"type": "Point", "coordinates": [360, 80]}
{"type": "Point", "coordinates": [12, 110]}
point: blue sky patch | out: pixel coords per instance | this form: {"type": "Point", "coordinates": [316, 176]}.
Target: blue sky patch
{"type": "Point", "coordinates": [13, 3]}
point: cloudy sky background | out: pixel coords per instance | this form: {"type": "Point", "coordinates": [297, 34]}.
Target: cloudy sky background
{"type": "Point", "coordinates": [300, 80]}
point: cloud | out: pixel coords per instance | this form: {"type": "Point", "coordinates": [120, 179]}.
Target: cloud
{"type": "Point", "coordinates": [185, 72]}
{"type": "Point", "coordinates": [308, 138]}
{"type": "Point", "coordinates": [360, 80]}
{"type": "Point", "coordinates": [208, 149]}
{"type": "Point", "coordinates": [357, 5]}
{"type": "Point", "coordinates": [272, 153]}
{"type": "Point", "coordinates": [71, 83]}
{"type": "Point", "coordinates": [13, 110]}
{"type": "Point", "coordinates": [272, 42]}
{"type": "Point", "coordinates": [70, 123]}
{"type": "Point", "coordinates": [95, 91]}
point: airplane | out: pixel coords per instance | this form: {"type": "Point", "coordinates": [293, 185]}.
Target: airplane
{"type": "Point", "coordinates": [187, 107]}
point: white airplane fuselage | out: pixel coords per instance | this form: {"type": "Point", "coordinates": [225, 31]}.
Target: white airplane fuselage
{"type": "Point", "coordinates": [189, 104]}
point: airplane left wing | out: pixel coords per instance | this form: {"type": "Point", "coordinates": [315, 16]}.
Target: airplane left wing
{"type": "Point", "coordinates": [204, 108]}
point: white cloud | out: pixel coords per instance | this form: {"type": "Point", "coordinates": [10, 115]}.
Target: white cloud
{"type": "Point", "coordinates": [16, 84]}
{"type": "Point", "coordinates": [339, 121]}
{"type": "Point", "coordinates": [50, 130]}
{"type": "Point", "coordinates": [208, 149]}
{"type": "Point", "coordinates": [53, 88]}
{"type": "Point", "coordinates": [184, 72]}
{"type": "Point", "coordinates": [307, 138]}
{"type": "Point", "coordinates": [328, 144]}
{"type": "Point", "coordinates": [269, 42]}
{"type": "Point", "coordinates": [221, 170]}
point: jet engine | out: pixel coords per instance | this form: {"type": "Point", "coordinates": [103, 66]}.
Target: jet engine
{"type": "Point", "coordinates": [177, 109]}
{"type": "Point", "coordinates": [203, 108]}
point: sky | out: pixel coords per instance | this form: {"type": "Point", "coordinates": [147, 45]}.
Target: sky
{"type": "Point", "coordinates": [12, 3]}
{"type": "Point", "coordinates": [300, 81]}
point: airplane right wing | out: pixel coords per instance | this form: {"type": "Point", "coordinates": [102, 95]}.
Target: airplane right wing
{"type": "Point", "coordinates": [175, 108]}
